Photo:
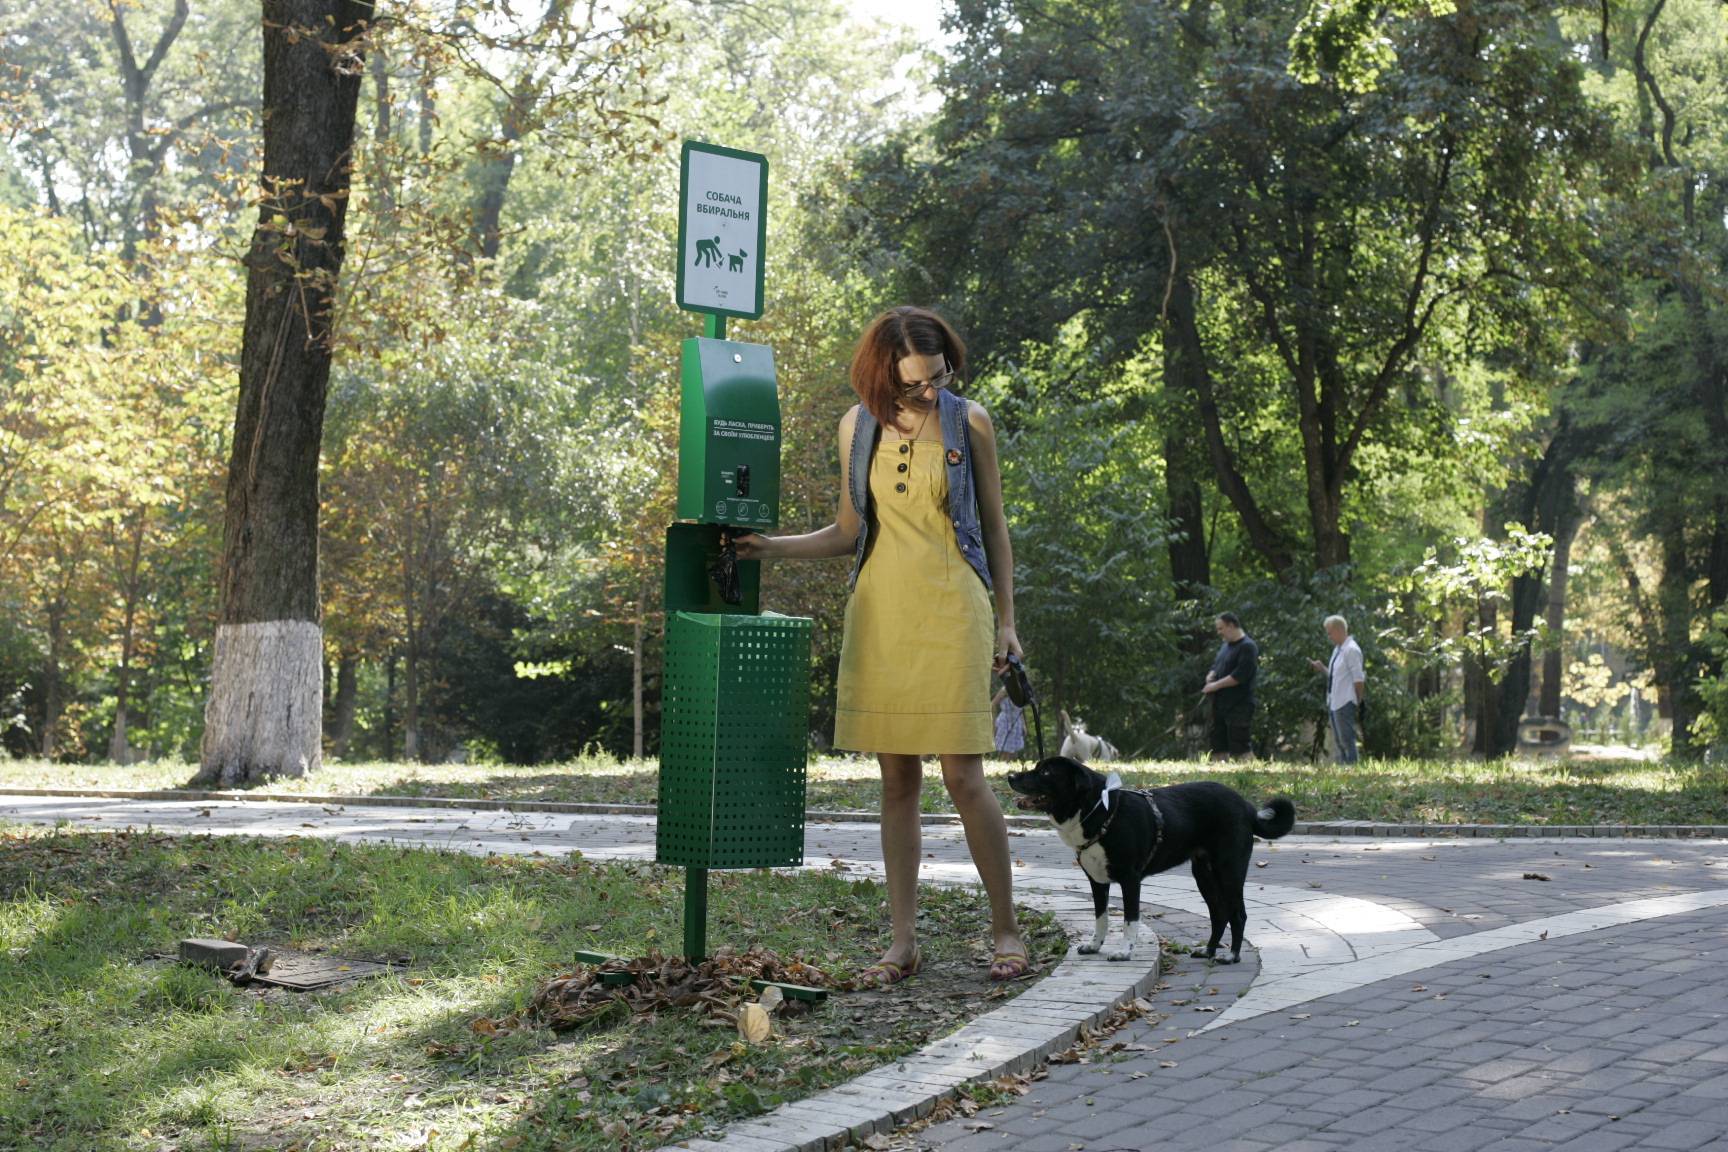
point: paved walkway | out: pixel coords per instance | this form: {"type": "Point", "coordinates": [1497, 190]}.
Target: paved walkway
{"type": "Point", "coordinates": [1447, 995]}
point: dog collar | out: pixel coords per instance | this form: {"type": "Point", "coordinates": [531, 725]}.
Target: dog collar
{"type": "Point", "coordinates": [1109, 815]}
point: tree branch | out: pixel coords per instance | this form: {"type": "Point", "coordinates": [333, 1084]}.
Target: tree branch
{"type": "Point", "coordinates": [1416, 317]}
{"type": "Point", "coordinates": [1647, 78]}
{"type": "Point", "coordinates": [1268, 306]}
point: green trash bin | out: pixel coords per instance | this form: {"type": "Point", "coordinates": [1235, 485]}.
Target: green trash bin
{"type": "Point", "coordinates": [733, 743]}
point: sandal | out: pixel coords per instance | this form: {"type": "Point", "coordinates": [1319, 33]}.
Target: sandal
{"type": "Point", "coordinates": [1005, 966]}
{"type": "Point", "coordinates": [886, 973]}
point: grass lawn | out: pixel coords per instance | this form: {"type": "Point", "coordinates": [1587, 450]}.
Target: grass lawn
{"type": "Point", "coordinates": [1420, 791]}
{"type": "Point", "coordinates": [106, 1046]}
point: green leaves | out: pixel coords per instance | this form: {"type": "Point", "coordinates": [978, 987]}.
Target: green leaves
{"type": "Point", "coordinates": [1339, 41]}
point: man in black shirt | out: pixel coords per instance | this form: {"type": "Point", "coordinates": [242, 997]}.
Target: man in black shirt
{"type": "Point", "coordinates": [1230, 683]}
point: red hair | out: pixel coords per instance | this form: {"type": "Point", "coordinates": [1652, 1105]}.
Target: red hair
{"type": "Point", "coordinates": [891, 337]}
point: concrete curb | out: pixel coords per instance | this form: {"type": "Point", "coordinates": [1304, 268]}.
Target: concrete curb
{"type": "Point", "coordinates": [1302, 827]}
{"type": "Point", "coordinates": [1014, 1039]}
{"type": "Point", "coordinates": [1510, 831]}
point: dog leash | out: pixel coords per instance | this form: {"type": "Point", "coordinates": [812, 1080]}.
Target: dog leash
{"type": "Point", "coordinates": [1018, 685]}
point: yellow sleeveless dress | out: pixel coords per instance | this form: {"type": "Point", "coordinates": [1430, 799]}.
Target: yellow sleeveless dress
{"type": "Point", "coordinates": [915, 658]}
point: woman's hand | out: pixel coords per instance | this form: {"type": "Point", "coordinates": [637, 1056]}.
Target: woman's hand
{"type": "Point", "coordinates": [753, 546]}
{"type": "Point", "coordinates": [1007, 640]}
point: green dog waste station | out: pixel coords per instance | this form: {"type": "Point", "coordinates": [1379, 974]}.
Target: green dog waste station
{"type": "Point", "coordinates": [736, 690]}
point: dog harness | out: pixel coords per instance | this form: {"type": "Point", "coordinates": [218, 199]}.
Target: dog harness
{"type": "Point", "coordinates": [1110, 816]}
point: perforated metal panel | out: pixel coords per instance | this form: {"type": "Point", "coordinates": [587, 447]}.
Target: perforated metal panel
{"type": "Point", "coordinates": [733, 741]}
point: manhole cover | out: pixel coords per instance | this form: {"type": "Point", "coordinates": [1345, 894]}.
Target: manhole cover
{"type": "Point", "coordinates": [303, 973]}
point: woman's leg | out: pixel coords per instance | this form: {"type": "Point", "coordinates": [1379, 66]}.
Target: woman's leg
{"type": "Point", "coordinates": [902, 781]}
{"type": "Point", "coordinates": [987, 838]}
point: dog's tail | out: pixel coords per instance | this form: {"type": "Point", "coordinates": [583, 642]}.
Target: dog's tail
{"type": "Point", "coordinates": [1274, 819]}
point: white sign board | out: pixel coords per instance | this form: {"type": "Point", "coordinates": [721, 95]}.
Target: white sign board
{"type": "Point", "coordinates": [722, 228]}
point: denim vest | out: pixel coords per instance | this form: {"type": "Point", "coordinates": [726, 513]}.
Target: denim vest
{"type": "Point", "coordinates": [962, 486]}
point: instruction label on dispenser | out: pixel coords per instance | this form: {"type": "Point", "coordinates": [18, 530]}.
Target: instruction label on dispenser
{"type": "Point", "coordinates": [745, 430]}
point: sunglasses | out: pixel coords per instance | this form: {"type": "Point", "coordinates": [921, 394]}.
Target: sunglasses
{"type": "Point", "coordinates": [936, 382]}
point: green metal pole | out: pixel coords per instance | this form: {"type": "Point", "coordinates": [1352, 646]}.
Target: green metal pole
{"type": "Point", "coordinates": [695, 914]}
{"type": "Point", "coordinates": [713, 326]}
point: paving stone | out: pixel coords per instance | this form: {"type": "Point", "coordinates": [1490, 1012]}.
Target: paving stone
{"type": "Point", "coordinates": [1098, 1122]}
{"type": "Point", "coordinates": [1435, 1095]}
{"type": "Point", "coordinates": [1516, 1144]}
{"type": "Point", "coordinates": [1444, 1118]}
{"type": "Point", "coordinates": [1715, 1088]}
{"type": "Point", "coordinates": [1461, 1139]}
{"type": "Point", "coordinates": [1601, 1140]}
{"type": "Point", "coordinates": [1372, 1120]}
{"type": "Point", "coordinates": [1685, 1135]}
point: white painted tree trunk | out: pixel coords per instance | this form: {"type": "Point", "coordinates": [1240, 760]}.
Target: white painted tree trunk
{"type": "Point", "coordinates": [266, 704]}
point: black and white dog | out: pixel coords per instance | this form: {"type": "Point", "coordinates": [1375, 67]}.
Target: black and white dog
{"type": "Point", "coordinates": [1122, 836]}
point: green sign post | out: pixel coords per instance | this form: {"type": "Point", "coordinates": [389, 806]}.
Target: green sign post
{"type": "Point", "coordinates": [733, 744]}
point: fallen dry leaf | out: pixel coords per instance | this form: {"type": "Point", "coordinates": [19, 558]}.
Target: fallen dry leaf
{"type": "Point", "coordinates": [753, 1023]}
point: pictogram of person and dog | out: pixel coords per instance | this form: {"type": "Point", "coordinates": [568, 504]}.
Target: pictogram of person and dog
{"type": "Point", "coordinates": [709, 255]}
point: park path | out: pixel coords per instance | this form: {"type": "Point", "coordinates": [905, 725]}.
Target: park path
{"type": "Point", "coordinates": [1447, 995]}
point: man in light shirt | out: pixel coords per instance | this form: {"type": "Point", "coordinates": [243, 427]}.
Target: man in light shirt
{"type": "Point", "coordinates": [1345, 681]}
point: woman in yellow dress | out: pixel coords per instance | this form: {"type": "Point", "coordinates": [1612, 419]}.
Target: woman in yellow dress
{"type": "Point", "coordinates": [921, 515]}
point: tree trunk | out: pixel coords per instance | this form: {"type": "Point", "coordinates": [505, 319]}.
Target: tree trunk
{"type": "Point", "coordinates": [1554, 659]}
{"type": "Point", "coordinates": [383, 129]}
{"type": "Point", "coordinates": [52, 705]}
{"type": "Point", "coordinates": [411, 705]}
{"type": "Point", "coordinates": [119, 749]}
{"type": "Point", "coordinates": [1326, 513]}
{"type": "Point", "coordinates": [1190, 566]}
{"type": "Point", "coordinates": [1547, 503]}
{"type": "Point", "coordinates": [264, 717]}
{"type": "Point", "coordinates": [347, 696]}
{"type": "Point", "coordinates": [146, 145]}
{"type": "Point", "coordinates": [1674, 666]}
{"type": "Point", "coordinates": [1514, 687]}
{"type": "Point", "coordinates": [1709, 664]}
{"type": "Point", "coordinates": [497, 161]}
{"type": "Point", "coordinates": [636, 741]}
{"type": "Point", "coordinates": [388, 749]}
{"type": "Point", "coordinates": [1486, 693]}
{"type": "Point", "coordinates": [496, 166]}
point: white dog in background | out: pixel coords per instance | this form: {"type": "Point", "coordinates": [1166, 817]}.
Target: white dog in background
{"type": "Point", "coordinates": [1079, 744]}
